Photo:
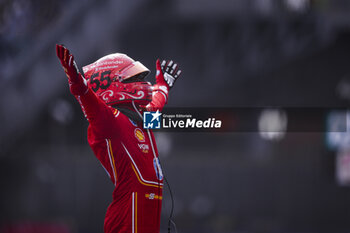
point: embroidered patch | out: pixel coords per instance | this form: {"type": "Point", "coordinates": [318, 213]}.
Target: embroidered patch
{"type": "Point", "coordinates": [139, 135]}
{"type": "Point", "coordinates": [153, 196]}
{"type": "Point", "coordinates": [157, 168]}
{"type": "Point", "coordinates": [144, 147]}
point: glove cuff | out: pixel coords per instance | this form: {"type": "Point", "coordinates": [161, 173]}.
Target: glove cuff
{"type": "Point", "coordinates": [162, 88]}
{"type": "Point", "coordinates": [79, 87]}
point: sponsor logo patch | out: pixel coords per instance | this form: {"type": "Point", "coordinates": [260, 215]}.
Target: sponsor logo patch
{"type": "Point", "coordinates": [139, 135]}
{"type": "Point", "coordinates": [153, 196]}
{"type": "Point", "coordinates": [144, 147]}
{"type": "Point", "coordinates": [158, 168]}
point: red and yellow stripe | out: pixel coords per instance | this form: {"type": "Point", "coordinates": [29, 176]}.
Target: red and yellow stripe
{"type": "Point", "coordinates": [110, 151]}
{"type": "Point", "coordinates": [138, 177]}
{"type": "Point", "coordinates": [153, 196]}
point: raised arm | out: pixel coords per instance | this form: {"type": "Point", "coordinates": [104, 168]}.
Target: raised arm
{"type": "Point", "coordinates": [95, 110]}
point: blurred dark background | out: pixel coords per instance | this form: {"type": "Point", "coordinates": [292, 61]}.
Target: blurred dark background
{"type": "Point", "coordinates": [233, 53]}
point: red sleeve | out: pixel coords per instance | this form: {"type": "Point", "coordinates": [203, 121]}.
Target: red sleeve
{"type": "Point", "coordinates": [99, 115]}
{"type": "Point", "coordinates": [159, 98]}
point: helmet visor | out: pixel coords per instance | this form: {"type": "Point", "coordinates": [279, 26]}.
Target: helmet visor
{"type": "Point", "coordinates": [133, 69]}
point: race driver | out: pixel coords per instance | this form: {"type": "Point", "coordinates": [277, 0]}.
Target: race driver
{"type": "Point", "coordinates": [113, 96]}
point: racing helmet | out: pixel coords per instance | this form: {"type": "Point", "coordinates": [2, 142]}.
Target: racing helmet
{"type": "Point", "coordinates": [118, 79]}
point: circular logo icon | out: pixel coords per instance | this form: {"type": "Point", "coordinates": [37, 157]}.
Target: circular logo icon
{"type": "Point", "coordinates": [139, 135]}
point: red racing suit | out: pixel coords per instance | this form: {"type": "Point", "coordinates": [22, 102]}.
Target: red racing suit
{"type": "Point", "coordinates": [129, 155]}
